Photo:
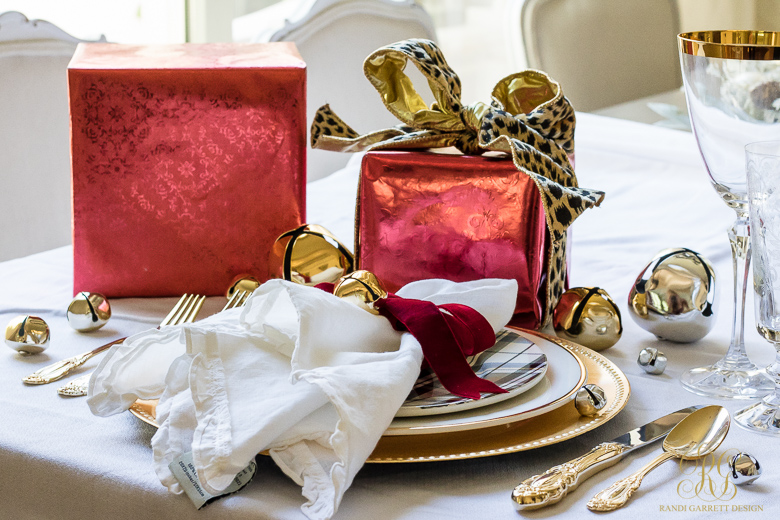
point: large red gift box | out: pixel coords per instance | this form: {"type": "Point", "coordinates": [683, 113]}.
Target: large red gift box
{"type": "Point", "coordinates": [188, 162]}
{"type": "Point", "coordinates": [435, 215]}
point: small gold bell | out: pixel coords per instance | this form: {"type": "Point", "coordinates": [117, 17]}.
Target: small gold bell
{"type": "Point", "coordinates": [312, 256]}
{"type": "Point", "coordinates": [361, 288]}
{"type": "Point", "coordinates": [88, 311]}
{"type": "Point", "coordinates": [588, 316]}
{"type": "Point", "coordinates": [27, 334]}
{"type": "Point", "coordinates": [242, 282]}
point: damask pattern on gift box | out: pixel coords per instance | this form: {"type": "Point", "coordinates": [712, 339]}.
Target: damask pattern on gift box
{"type": "Point", "coordinates": [185, 141]}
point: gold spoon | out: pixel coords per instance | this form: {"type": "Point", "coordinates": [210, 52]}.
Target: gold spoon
{"type": "Point", "coordinates": [697, 435]}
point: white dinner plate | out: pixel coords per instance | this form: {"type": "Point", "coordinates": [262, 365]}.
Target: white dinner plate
{"type": "Point", "coordinates": [565, 375]}
{"type": "Point", "coordinates": [514, 363]}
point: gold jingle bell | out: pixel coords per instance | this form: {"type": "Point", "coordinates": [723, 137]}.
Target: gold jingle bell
{"type": "Point", "coordinates": [88, 311]}
{"type": "Point", "coordinates": [361, 288]}
{"type": "Point", "coordinates": [312, 255]}
{"type": "Point", "coordinates": [27, 334]}
{"type": "Point", "coordinates": [588, 316]}
{"type": "Point", "coordinates": [242, 283]}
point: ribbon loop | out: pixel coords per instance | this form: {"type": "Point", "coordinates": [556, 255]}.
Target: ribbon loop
{"type": "Point", "coordinates": [385, 70]}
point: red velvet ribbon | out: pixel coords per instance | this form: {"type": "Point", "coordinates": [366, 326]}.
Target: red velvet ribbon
{"type": "Point", "coordinates": [447, 333]}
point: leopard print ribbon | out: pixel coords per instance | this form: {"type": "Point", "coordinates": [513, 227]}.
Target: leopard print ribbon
{"type": "Point", "coordinates": [529, 118]}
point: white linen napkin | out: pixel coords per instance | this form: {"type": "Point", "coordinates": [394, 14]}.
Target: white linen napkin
{"type": "Point", "coordinates": [306, 375]}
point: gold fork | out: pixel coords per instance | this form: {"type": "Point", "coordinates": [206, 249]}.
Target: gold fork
{"type": "Point", "coordinates": [80, 386]}
{"type": "Point", "coordinates": [186, 309]}
{"type": "Point", "coordinates": [237, 300]}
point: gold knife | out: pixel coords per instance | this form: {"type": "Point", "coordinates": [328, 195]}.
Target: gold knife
{"type": "Point", "coordinates": [551, 486]}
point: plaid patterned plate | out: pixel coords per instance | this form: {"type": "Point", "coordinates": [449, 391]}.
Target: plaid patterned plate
{"type": "Point", "coordinates": [513, 363]}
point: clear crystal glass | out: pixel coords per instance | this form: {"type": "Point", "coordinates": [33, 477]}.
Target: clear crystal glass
{"type": "Point", "coordinates": [732, 85]}
{"type": "Point", "coordinates": [763, 169]}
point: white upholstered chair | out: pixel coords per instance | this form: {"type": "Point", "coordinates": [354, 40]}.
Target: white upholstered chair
{"type": "Point", "coordinates": [334, 37]}
{"type": "Point", "coordinates": [35, 210]}
{"type": "Point", "coordinates": [603, 52]}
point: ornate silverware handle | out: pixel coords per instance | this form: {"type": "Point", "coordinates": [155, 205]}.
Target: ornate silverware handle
{"type": "Point", "coordinates": [617, 495]}
{"type": "Point", "coordinates": [76, 388]}
{"type": "Point", "coordinates": [185, 311]}
{"type": "Point", "coordinates": [551, 486]}
{"type": "Point", "coordinates": [61, 368]}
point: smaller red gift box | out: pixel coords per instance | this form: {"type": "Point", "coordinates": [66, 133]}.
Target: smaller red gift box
{"type": "Point", "coordinates": [188, 161]}
{"type": "Point", "coordinates": [438, 215]}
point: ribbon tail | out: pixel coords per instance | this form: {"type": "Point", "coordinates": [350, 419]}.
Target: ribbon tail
{"type": "Point", "coordinates": [330, 132]}
{"type": "Point", "coordinates": [553, 175]}
{"type": "Point", "coordinates": [428, 325]}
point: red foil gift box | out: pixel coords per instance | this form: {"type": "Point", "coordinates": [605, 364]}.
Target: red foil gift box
{"type": "Point", "coordinates": [188, 161]}
{"type": "Point", "coordinates": [434, 215]}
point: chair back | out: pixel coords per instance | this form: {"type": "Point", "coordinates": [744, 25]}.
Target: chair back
{"type": "Point", "coordinates": [602, 52]}
{"type": "Point", "coordinates": [334, 37]}
{"type": "Point", "coordinates": [35, 214]}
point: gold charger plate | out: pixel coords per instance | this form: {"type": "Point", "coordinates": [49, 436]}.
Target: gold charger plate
{"type": "Point", "coordinates": [553, 427]}
{"type": "Point", "coordinates": [556, 426]}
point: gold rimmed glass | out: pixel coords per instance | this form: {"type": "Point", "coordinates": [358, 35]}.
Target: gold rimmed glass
{"type": "Point", "coordinates": [732, 85]}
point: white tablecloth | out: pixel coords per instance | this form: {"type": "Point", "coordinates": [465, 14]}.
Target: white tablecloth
{"type": "Point", "coordinates": [58, 461]}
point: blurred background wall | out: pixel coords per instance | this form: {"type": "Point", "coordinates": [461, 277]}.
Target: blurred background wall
{"type": "Point", "coordinates": [470, 32]}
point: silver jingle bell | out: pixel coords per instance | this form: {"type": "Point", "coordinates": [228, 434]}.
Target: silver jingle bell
{"type": "Point", "coordinates": [744, 469]}
{"type": "Point", "coordinates": [674, 296]}
{"type": "Point", "coordinates": [652, 361]}
{"type": "Point", "coordinates": [27, 334]}
{"type": "Point", "coordinates": [590, 399]}
{"type": "Point", "coordinates": [88, 311]}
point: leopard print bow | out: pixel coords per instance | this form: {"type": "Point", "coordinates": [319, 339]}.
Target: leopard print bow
{"type": "Point", "coordinates": [529, 118]}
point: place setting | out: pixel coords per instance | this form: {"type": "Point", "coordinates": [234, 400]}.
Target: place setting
{"type": "Point", "coordinates": [452, 328]}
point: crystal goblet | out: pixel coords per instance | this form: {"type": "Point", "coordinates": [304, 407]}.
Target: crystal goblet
{"type": "Point", "coordinates": [732, 85]}
{"type": "Point", "coordinates": [763, 171]}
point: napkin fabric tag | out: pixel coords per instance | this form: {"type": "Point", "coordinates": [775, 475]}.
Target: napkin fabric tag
{"type": "Point", "coordinates": [184, 471]}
